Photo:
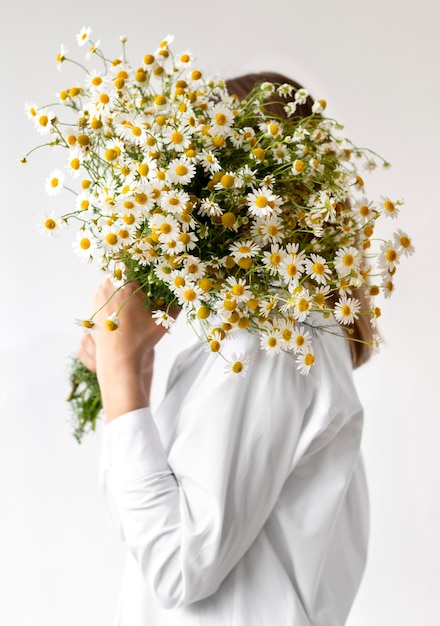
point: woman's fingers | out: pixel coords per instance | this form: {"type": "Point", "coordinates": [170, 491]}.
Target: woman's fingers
{"type": "Point", "coordinates": [87, 351]}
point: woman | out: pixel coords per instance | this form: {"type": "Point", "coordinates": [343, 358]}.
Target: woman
{"type": "Point", "coordinates": [243, 501]}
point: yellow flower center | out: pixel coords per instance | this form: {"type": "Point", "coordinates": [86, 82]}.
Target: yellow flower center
{"type": "Point", "coordinates": [228, 220]}
{"type": "Point", "coordinates": [275, 258]}
{"type": "Point", "coordinates": [190, 295]}
{"type": "Point", "coordinates": [348, 260]}
{"type": "Point", "coordinates": [203, 312]}
{"type": "Point", "coordinates": [318, 268]}
{"type": "Point", "coordinates": [237, 367]}
{"type": "Point", "coordinates": [292, 270]}
{"type": "Point", "coordinates": [214, 345]}
{"type": "Point", "coordinates": [244, 249]}
{"type": "Point", "coordinates": [50, 224]}
{"type": "Point", "coordinates": [181, 170]}
{"type": "Point", "coordinates": [261, 202]}
{"type": "Point", "coordinates": [221, 119]}
{"type": "Point", "coordinates": [272, 342]}
{"type": "Point", "coordinates": [303, 305]}
{"type": "Point", "coordinates": [391, 255]}
{"type": "Point", "coordinates": [84, 243]}
{"type": "Point", "coordinates": [309, 359]}
{"type": "Point", "coordinates": [238, 290]}
{"type": "Point", "coordinates": [111, 325]}
{"type": "Point", "coordinates": [111, 239]}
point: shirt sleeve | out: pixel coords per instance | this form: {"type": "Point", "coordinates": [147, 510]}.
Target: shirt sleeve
{"type": "Point", "coordinates": [190, 513]}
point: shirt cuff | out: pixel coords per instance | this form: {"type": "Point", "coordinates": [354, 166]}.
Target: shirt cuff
{"type": "Point", "coordinates": [133, 445]}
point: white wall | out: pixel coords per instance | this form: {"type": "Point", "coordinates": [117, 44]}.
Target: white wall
{"type": "Point", "coordinates": [377, 64]}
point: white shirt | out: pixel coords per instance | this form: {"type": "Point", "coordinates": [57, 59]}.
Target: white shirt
{"type": "Point", "coordinates": [242, 501]}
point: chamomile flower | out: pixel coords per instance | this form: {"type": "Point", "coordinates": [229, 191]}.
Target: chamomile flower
{"type": "Point", "coordinates": [174, 201]}
{"type": "Point", "coordinates": [54, 182]}
{"type": "Point", "coordinates": [346, 310]}
{"type": "Point", "coordinates": [189, 296]}
{"type": "Point", "coordinates": [238, 364]}
{"type": "Point", "coordinates": [262, 201]}
{"type": "Point", "coordinates": [44, 120]}
{"type": "Point", "coordinates": [388, 257]}
{"type": "Point", "coordinates": [180, 171]}
{"type": "Point", "coordinates": [51, 224]}
{"type": "Point", "coordinates": [304, 361]}
{"type": "Point", "coordinates": [273, 258]}
{"type": "Point", "coordinates": [292, 267]}
{"type": "Point", "coordinates": [84, 245]}
{"type": "Point", "coordinates": [269, 229]}
{"type": "Point", "coordinates": [112, 322]}
{"type": "Point", "coordinates": [365, 209]}
{"type": "Point", "coordinates": [166, 227]}
{"type": "Point", "coordinates": [271, 341]}
{"type": "Point", "coordinates": [162, 318]}
{"type": "Point", "coordinates": [317, 268]}
{"type": "Point", "coordinates": [177, 139]}
{"type": "Point", "coordinates": [221, 119]}
{"type": "Point", "coordinates": [83, 36]}
{"type": "Point", "coordinates": [346, 260]}
{"type": "Point", "coordinates": [238, 288]}
{"type": "Point", "coordinates": [403, 242]}
{"type": "Point", "coordinates": [390, 208]}
{"type": "Point", "coordinates": [244, 249]}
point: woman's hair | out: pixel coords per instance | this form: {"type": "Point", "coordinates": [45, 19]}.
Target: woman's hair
{"type": "Point", "coordinates": [361, 333]}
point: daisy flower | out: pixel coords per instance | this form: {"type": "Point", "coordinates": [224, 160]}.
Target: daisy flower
{"type": "Point", "coordinates": [44, 121]}
{"type": "Point", "coordinates": [112, 322]}
{"type": "Point", "coordinates": [302, 305]}
{"type": "Point", "coordinates": [262, 201]}
{"type": "Point", "coordinates": [390, 208]}
{"type": "Point", "coordinates": [270, 229]}
{"type": "Point", "coordinates": [84, 245]}
{"type": "Point", "coordinates": [51, 224]}
{"type": "Point", "coordinates": [244, 249]}
{"type": "Point", "coordinates": [174, 201]}
{"type": "Point", "coordinates": [304, 361]}
{"type": "Point", "coordinates": [83, 36]}
{"type": "Point", "coordinates": [272, 259]}
{"type": "Point", "coordinates": [180, 171]}
{"type": "Point", "coordinates": [239, 289]}
{"type": "Point", "coordinates": [238, 364]}
{"type": "Point", "coordinates": [292, 267]}
{"type": "Point", "coordinates": [54, 182]}
{"type": "Point", "coordinates": [346, 260]}
{"type": "Point", "coordinates": [189, 295]}
{"type": "Point", "coordinates": [221, 118]}
{"type": "Point", "coordinates": [166, 227]}
{"type": "Point", "coordinates": [177, 139]}
{"type": "Point", "coordinates": [162, 318]}
{"type": "Point", "coordinates": [271, 341]}
{"type": "Point", "coordinates": [346, 310]}
{"type": "Point", "coordinates": [388, 257]}
{"type": "Point", "coordinates": [403, 242]}
{"type": "Point", "coordinates": [318, 269]}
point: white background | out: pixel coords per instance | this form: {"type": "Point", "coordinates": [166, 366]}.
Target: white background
{"type": "Point", "coordinates": [377, 64]}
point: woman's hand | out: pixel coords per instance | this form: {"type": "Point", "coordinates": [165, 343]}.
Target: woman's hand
{"type": "Point", "coordinates": [122, 358]}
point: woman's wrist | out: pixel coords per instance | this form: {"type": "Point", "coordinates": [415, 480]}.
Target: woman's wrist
{"type": "Point", "coordinates": [124, 388]}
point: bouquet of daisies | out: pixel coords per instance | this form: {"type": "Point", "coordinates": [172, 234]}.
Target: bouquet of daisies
{"type": "Point", "coordinates": [241, 217]}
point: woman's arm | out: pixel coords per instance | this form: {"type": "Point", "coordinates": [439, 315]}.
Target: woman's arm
{"type": "Point", "coordinates": [123, 359]}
